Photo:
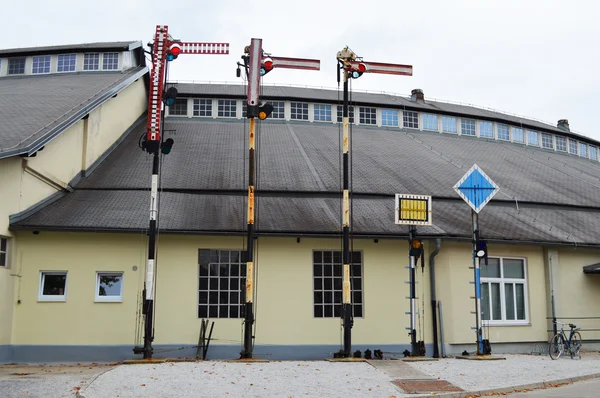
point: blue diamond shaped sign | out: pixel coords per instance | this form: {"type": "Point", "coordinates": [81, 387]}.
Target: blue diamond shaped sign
{"type": "Point", "coordinates": [476, 188]}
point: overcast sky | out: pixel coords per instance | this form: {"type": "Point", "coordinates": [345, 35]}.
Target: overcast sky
{"type": "Point", "coordinates": [535, 58]}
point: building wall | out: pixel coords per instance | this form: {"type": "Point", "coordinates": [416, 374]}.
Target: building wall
{"type": "Point", "coordinates": [284, 314]}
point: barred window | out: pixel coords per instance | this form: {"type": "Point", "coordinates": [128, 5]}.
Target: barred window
{"type": "Point", "coordinates": [340, 112]}
{"type": "Point", "coordinates": [322, 112]}
{"type": "Point", "coordinates": [299, 110]}
{"type": "Point", "coordinates": [561, 143]}
{"type": "Point", "coordinates": [327, 283]}
{"type": "Point", "coordinates": [41, 64]}
{"type": "Point", "coordinates": [66, 62]}
{"type": "Point", "coordinates": [227, 108]}
{"type": "Point", "coordinates": [467, 126]}
{"type": "Point", "coordinates": [547, 141]}
{"type": "Point", "coordinates": [367, 115]}
{"type": "Point", "coordinates": [389, 117]}
{"type": "Point", "coordinates": [430, 122]}
{"type": "Point", "coordinates": [503, 132]}
{"type": "Point", "coordinates": [449, 124]}
{"type": "Point", "coordinates": [221, 285]}
{"type": "Point", "coordinates": [203, 107]}
{"type": "Point", "coordinates": [410, 119]}
{"type": "Point", "coordinates": [179, 108]}
{"type": "Point", "coordinates": [91, 61]}
{"type": "Point", "coordinates": [486, 129]}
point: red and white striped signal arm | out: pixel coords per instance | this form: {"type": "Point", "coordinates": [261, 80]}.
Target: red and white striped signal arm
{"type": "Point", "coordinates": [204, 48]}
{"type": "Point", "coordinates": [378, 67]}
{"type": "Point", "coordinates": [293, 63]}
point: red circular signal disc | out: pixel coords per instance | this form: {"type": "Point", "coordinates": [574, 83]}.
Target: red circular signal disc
{"type": "Point", "coordinates": [175, 49]}
{"type": "Point", "coordinates": [268, 64]}
{"type": "Point", "coordinates": [362, 67]}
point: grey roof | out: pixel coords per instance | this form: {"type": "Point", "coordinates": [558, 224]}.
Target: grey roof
{"type": "Point", "coordinates": [383, 100]}
{"type": "Point", "coordinates": [99, 46]}
{"type": "Point", "coordinates": [35, 109]}
{"type": "Point", "coordinates": [545, 197]}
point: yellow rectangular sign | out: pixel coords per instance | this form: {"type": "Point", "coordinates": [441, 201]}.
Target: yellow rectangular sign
{"type": "Point", "coordinates": [413, 209]}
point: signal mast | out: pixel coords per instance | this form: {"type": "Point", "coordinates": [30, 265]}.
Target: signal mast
{"type": "Point", "coordinates": [164, 49]}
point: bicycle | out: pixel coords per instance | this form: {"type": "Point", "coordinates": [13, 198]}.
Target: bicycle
{"type": "Point", "coordinates": [559, 342]}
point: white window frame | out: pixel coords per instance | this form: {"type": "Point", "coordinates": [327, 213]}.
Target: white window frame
{"type": "Point", "coordinates": [447, 122]}
{"type": "Point", "coordinates": [69, 55]}
{"type": "Point", "coordinates": [320, 113]}
{"type": "Point", "coordinates": [108, 299]}
{"type": "Point", "coordinates": [45, 59]}
{"type": "Point", "coordinates": [5, 252]}
{"type": "Point", "coordinates": [486, 123]}
{"type": "Point", "coordinates": [410, 120]}
{"type": "Point", "coordinates": [501, 280]}
{"type": "Point", "coordinates": [52, 298]}
{"type": "Point", "coordinates": [387, 116]}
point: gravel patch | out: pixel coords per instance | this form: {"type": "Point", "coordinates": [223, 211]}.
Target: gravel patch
{"type": "Point", "coordinates": [272, 379]}
{"type": "Point", "coordinates": [475, 375]}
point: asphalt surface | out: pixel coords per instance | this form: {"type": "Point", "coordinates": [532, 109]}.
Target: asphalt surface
{"type": "Point", "coordinates": [582, 389]}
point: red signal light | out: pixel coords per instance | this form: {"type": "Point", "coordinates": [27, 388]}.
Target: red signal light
{"type": "Point", "coordinates": [362, 68]}
{"type": "Point", "coordinates": [175, 49]}
{"type": "Point", "coordinates": [268, 63]}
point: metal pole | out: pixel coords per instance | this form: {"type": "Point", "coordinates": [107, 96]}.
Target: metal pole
{"type": "Point", "coordinates": [474, 217]}
{"type": "Point", "coordinates": [347, 305]}
{"type": "Point", "coordinates": [412, 231]}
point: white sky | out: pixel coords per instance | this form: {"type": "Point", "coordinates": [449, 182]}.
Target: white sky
{"type": "Point", "coordinates": [535, 58]}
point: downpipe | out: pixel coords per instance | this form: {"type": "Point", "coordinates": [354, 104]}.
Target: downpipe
{"type": "Point", "coordinates": [438, 243]}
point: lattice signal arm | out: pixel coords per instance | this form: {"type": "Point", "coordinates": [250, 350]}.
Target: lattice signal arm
{"type": "Point", "coordinates": [378, 67]}
{"type": "Point", "coordinates": [204, 48]}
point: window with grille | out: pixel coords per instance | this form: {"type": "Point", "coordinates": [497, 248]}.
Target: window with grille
{"type": "Point", "coordinates": [278, 109]}
{"type": "Point", "coordinates": [322, 112]}
{"type": "Point", "coordinates": [222, 283]}
{"type": "Point", "coordinates": [572, 146]}
{"type": "Point", "coordinates": [16, 66]}
{"type": "Point", "coordinates": [227, 108]}
{"type": "Point", "coordinates": [367, 115]}
{"type": "Point", "coordinates": [203, 107]}
{"type": "Point", "coordinates": [299, 110]}
{"type": "Point", "coordinates": [503, 132]}
{"type": "Point", "coordinates": [533, 138]}
{"type": "Point", "coordinates": [547, 141]}
{"type": "Point", "coordinates": [430, 122]}
{"type": "Point", "coordinates": [110, 61]}
{"type": "Point", "coordinates": [340, 113]}
{"type": "Point", "coordinates": [410, 119]}
{"type": "Point", "coordinates": [504, 290]}
{"type": "Point", "coordinates": [327, 283]}
{"type": "Point", "coordinates": [66, 62]}
{"type": "Point", "coordinates": [91, 61]}
{"type": "Point", "coordinates": [467, 126]}
{"type": "Point", "coordinates": [449, 124]}
{"type": "Point", "coordinates": [486, 129]}
{"type": "Point", "coordinates": [561, 143]}
{"type": "Point", "coordinates": [179, 108]}
{"type": "Point", "coordinates": [41, 64]}
{"type": "Point", "coordinates": [389, 117]}
{"type": "Point", "coordinates": [518, 135]}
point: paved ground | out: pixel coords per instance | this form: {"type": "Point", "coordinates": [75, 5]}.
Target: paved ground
{"type": "Point", "coordinates": [583, 389]}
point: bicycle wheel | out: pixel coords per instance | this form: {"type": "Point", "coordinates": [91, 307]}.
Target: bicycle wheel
{"type": "Point", "coordinates": [576, 345]}
{"type": "Point", "coordinates": [556, 346]}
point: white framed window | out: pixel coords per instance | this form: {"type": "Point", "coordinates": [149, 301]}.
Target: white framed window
{"type": "Point", "coordinates": [179, 108]}
{"type": "Point", "coordinates": [503, 132]}
{"type": "Point", "coordinates": [593, 152]}
{"type": "Point", "coordinates": [322, 112]}
{"type": "Point", "coordinates": [327, 283]}
{"type": "Point", "coordinates": [430, 122]}
{"type": "Point", "coordinates": [561, 143]}
{"type": "Point", "coordinates": [340, 113]}
{"type": "Point", "coordinates": [410, 119]}
{"type": "Point", "coordinates": [517, 135]}
{"type": "Point", "coordinates": [504, 291]}
{"type": "Point", "coordinates": [91, 61]}
{"type": "Point", "coordinates": [66, 63]}
{"type": "Point", "coordinates": [533, 138]}
{"type": "Point", "coordinates": [367, 115]}
{"type": "Point", "coordinates": [278, 109]}
{"type": "Point", "coordinates": [3, 252]}
{"type": "Point", "coordinates": [389, 117]}
{"type": "Point", "coordinates": [449, 124]}
{"type": "Point", "coordinates": [547, 141]}
{"type": "Point", "coordinates": [53, 286]}
{"type": "Point", "coordinates": [226, 108]}
{"type": "Point", "coordinates": [467, 127]}
{"type": "Point", "coordinates": [110, 61]}
{"type": "Point", "coordinates": [486, 129]}
{"type": "Point", "coordinates": [41, 64]}
{"type": "Point", "coordinates": [222, 283]}
{"type": "Point", "coordinates": [572, 146]}
{"type": "Point", "coordinates": [583, 149]}
{"type": "Point", "coordinates": [16, 66]}
{"type": "Point", "coordinates": [109, 287]}
{"type": "Point", "coordinates": [202, 107]}
{"type": "Point", "coordinates": [299, 111]}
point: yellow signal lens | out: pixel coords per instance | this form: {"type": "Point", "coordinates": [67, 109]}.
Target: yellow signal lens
{"type": "Point", "coordinates": [416, 244]}
{"type": "Point", "coordinates": [262, 115]}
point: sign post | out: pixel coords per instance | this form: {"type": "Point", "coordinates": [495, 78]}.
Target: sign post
{"type": "Point", "coordinates": [413, 210]}
{"type": "Point", "coordinates": [477, 189]}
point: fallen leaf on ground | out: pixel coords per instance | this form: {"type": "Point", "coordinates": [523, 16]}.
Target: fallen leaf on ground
{"type": "Point", "coordinates": [76, 388]}
{"type": "Point", "coordinates": [143, 385]}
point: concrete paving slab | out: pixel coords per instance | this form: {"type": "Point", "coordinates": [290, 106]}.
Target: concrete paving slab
{"type": "Point", "coordinates": [399, 370]}
{"type": "Point", "coordinates": [480, 357]}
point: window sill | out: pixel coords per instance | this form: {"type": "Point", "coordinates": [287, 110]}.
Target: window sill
{"type": "Point", "coordinates": [508, 324]}
{"type": "Point", "coordinates": [111, 300]}
{"type": "Point", "coordinates": [52, 300]}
